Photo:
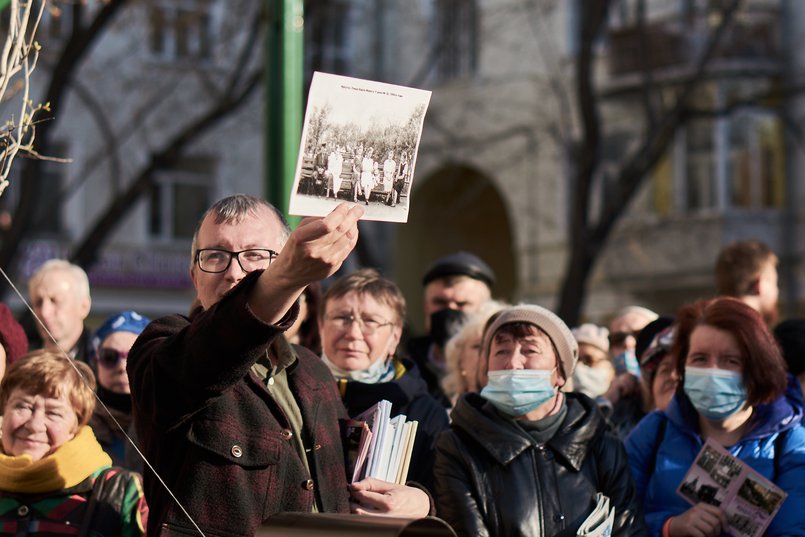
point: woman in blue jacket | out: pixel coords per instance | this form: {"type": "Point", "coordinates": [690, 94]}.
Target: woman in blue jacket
{"type": "Point", "coordinates": [732, 392]}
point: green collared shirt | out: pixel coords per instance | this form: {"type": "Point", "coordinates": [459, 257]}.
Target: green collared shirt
{"type": "Point", "coordinates": [275, 379]}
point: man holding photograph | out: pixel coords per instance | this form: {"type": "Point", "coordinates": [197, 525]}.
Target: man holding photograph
{"type": "Point", "coordinates": [239, 424]}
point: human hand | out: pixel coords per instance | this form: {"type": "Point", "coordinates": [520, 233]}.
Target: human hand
{"type": "Point", "coordinates": [372, 496]}
{"type": "Point", "coordinates": [317, 248]}
{"type": "Point", "coordinates": [701, 520]}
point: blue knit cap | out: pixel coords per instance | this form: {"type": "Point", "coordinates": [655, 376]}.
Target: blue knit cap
{"type": "Point", "coordinates": [127, 321]}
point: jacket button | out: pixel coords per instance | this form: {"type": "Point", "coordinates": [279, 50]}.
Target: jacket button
{"type": "Point", "coordinates": [309, 484]}
{"type": "Point", "coordinates": [22, 510]}
{"type": "Point", "coordinates": [237, 451]}
{"type": "Point", "coordinates": [286, 434]}
{"type": "Point", "coordinates": [558, 517]}
{"type": "Point", "coordinates": [316, 447]}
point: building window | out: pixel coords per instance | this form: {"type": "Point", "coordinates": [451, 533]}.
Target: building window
{"type": "Point", "coordinates": [755, 164]}
{"type": "Point", "coordinates": [731, 163]}
{"type": "Point", "coordinates": [700, 165]}
{"type": "Point", "coordinates": [456, 38]}
{"type": "Point", "coordinates": [180, 197]}
{"type": "Point", "coordinates": [182, 31]}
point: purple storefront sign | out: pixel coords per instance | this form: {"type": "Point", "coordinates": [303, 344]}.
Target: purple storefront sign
{"type": "Point", "coordinates": [134, 268]}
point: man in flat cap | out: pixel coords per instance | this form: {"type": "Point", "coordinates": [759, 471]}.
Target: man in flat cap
{"type": "Point", "coordinates": [455, 285]}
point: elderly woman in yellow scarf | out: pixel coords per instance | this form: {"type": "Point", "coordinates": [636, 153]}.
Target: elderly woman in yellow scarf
{"type": "Point", "coordinates": [55, 478]}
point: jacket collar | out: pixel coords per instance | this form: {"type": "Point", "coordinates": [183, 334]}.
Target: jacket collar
{"type": "Point", "coordinates": [504, 440]}
{"type": "Point", "coordinates": [402, 390]}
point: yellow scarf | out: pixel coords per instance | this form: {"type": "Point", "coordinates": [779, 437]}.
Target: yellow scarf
{"type": "Point", "coordinates": [69, 465]}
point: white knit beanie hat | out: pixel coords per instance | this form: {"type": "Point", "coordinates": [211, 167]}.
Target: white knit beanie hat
{"type": "Point", "coordinates": [548, 322]}
{"type": "Point", "coordinates": [592, 334]}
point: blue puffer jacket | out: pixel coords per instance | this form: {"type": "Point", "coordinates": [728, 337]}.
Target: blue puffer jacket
{"type": "Point", "coordinates": [660, 458]}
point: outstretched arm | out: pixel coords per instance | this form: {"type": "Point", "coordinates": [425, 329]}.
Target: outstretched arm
{"type": "Point", "coordinates": [313, 252]}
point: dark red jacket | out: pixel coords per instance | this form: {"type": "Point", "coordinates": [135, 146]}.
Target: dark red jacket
{"type": "Point", "coordinates": [213, 433]}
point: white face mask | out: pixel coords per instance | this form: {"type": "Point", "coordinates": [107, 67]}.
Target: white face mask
{"type": "Point", "coordinates": [591, 381]}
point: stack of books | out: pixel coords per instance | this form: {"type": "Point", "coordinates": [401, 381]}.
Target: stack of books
{"type": "Point", "coordinates": [381, 445]}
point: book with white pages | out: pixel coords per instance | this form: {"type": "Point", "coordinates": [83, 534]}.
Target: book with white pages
{"type": "Point", "coordinates": [410, 436]}
{"type": "Point", "coordinates": [376, 465]}
{"type": "Point", "coordinates": [396, 447]}
{"type": "Point", "coordinates": [600, 521]}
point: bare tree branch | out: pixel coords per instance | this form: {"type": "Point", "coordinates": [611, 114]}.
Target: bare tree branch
{"type": "Point", "coordinates": [86, 252]}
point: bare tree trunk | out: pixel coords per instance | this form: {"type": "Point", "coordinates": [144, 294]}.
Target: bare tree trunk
{"type": "Point", "coordinates": [587, 240]}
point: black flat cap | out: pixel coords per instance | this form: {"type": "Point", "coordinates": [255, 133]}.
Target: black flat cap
{"type": "Point", "coordinates": [460, 264]}
{"type": "Point", "coordinates": [646, 335]}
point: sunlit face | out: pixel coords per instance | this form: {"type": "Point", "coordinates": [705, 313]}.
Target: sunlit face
{"type": "Point", "coordinates": [463, 294]}
{"type": "Point", "coordinates": [114, 377]}
{"type": "Point", "coordinates": [259, 230]}
{"type": "Point", "coordinates": [36, 425]}
{"type": "Point", "coordinates": [623, 331]}
{"type": "Point", "coordinates": [61, 307]}
{"type": "Point", "coordinates": [469, 360]}
{"type": "Point", "coordinates": [714, 348]}
{"type": "Point", "coordinates": [534, 351]}
{"type": "Point", "coordinates": [665, 380]}
{"type": "Point", "coordinates": [348, 344]}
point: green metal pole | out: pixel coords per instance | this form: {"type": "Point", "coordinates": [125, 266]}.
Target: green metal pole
{"type": "Point", "coordinates": [283, 83]}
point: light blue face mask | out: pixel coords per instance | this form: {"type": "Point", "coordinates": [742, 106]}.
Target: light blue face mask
{"type": "Point", "coordinates": [380, 371]}
{"type": "Point", "coordinates": [716, 393]}
{"type": "Point", "coordinates": [519, 391]}
{"type": "Point", "coordinates": [626, 362]}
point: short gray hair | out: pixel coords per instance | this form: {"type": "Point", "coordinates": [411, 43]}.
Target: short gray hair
{"type": "Point", "coordinates": [232, 209]}
{"type": "Point", "coordinates": [78, 275]}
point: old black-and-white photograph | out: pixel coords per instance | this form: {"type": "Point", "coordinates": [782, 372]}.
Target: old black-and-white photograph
{"type": "Point", "coordinates": [359, 144]}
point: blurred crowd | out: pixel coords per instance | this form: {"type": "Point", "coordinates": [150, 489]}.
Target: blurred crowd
{"type": "Point", "coordinates": [238, 405]}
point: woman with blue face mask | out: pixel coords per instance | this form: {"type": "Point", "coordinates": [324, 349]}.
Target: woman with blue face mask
{"type": "Point", "coordinates": [732, 390]}
{"type": "Point", "coordinates": [523, 458]}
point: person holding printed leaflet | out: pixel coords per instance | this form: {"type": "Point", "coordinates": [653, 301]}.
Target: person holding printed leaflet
{"type": "Point", "coordinates": [731, 391]}
{"type": "Point", "coordinates": [239, 424]}
{"type": "Point", "coordinates": [523, 458]}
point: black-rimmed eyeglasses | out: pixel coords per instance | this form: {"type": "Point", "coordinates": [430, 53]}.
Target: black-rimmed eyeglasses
{"type": "Point", "coordinates": [217, 260]}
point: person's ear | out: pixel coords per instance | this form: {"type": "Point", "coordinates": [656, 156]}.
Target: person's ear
{"type": "Point", "coordinates": [394, 341]}
{"type": "Point", "coordinates": [754, 287]}
{"type": "Point", "coordinates": [86, 305]}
